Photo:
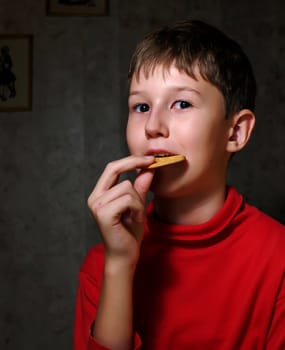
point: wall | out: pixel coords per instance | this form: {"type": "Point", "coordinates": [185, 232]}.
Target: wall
{"type": "Point", "coordinates": [51, 157]}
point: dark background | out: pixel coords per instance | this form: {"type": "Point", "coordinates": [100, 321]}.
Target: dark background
{"type": "Point", "coordinates": [51, 157]}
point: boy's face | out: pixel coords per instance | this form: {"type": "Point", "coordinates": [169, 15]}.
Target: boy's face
{"type": "Point", "coordinates": [170, 112]}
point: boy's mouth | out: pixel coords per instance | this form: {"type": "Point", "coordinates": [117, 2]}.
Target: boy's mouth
{"type": "Point", "coordinates": [161, 155]}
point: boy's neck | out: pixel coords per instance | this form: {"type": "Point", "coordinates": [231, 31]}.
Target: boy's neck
{"type": "Point", "coordinates": [192, 210]}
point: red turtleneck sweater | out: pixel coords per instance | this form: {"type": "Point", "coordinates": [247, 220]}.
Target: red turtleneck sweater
{"type": "Point", "coordinates": [215, 286]}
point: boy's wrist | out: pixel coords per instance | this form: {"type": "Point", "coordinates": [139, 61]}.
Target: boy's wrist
{"type": "Point", "coordinates": [119, 267]}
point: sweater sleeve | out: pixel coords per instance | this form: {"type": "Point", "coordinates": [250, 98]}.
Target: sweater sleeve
{"type": "Point", "coordinates": [90, 279]}
{"type": "Point", "coordinates": [276, 335]}
{"type": "Point", "coordinates": [94, 345]}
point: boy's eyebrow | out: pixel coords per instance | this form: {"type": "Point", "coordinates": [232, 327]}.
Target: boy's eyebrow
{"type": "Point", "coordinates": [175, 88]}
{"type": "Point", "coordinates": [186, 88]}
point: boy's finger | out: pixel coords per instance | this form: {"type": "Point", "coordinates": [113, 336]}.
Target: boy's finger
{"type": "Point", "coordinates": [111, 214]}
{"type": "Point", "coordinates": [142, 183]}
{"type": "Point", "coordinates": [121, 189]}
{"type": "Point", "coordinates": [114, 169]}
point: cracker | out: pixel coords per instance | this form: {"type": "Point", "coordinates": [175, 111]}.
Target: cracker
{"type": "Point", "coordinates": [166, 160]}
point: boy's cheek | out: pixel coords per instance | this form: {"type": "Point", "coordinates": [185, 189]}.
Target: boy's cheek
{"type": "Point", "coordinates": [135, 148]}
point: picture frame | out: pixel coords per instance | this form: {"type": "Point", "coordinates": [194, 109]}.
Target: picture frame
{"type": "Point", "coordinates": [77, 7]}
{"type": "Point", "coordinates": [16, 72]}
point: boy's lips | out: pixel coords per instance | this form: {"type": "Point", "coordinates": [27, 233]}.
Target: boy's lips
{"type": "Point", "coordinates": [160, 153]}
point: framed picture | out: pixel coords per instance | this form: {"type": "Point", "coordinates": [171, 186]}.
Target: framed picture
{"type": "Point", "coordinates": [15, 73]}
{"type": "Point", "coordinates": [77, 7]}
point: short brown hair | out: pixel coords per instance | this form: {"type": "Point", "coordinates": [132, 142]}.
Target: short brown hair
{"type": "Point", "coordinates": [220, 60]}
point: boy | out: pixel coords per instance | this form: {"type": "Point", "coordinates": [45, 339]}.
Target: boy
{"type": "Point", "coordinates": [200, 269]}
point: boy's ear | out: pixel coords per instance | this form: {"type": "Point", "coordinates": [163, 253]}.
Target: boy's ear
{"type": "Point", "coordinates": [241, 126]}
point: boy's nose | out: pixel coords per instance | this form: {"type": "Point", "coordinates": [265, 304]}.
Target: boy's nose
{"type": "Point", "coordinates": [156, 126]}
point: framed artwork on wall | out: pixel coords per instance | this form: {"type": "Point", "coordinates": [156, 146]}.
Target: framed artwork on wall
{"type": "Point", "coordinates": [77, 7]}
{"type": "Point", "coordinates": [15, 72]}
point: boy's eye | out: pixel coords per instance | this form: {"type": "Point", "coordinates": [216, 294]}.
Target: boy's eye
{"type": "Point", "coordinates": [141, 107]}
{"type": "Point", "coordinates": [182, 104]}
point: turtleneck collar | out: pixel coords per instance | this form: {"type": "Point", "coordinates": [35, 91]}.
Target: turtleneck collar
{"type": "Point", "coordinates": [207, 231]}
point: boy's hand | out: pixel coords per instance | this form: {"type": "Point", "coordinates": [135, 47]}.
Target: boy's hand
{"type": "Point", "coordinates": [119, 209]}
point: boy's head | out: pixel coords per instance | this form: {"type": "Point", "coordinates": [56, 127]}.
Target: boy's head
{"type": "Point", "coordinates": [191, 44]}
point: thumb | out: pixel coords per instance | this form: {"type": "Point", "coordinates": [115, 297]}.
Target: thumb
{"type": "Point", "coordinates": [142, 183]}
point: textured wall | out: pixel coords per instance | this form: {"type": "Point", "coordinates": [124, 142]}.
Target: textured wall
{"type": "Point", "coordinates": [51, 157]}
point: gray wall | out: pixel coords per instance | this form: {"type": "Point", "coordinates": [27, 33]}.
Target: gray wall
{"type": "Point", "coordinates": [50, 158]}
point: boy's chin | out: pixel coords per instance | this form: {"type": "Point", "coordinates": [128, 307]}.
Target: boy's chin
{"type": "Point", "coordinates": [165, 189]}
{"type": "Point", "coordinates": [168, 180]}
